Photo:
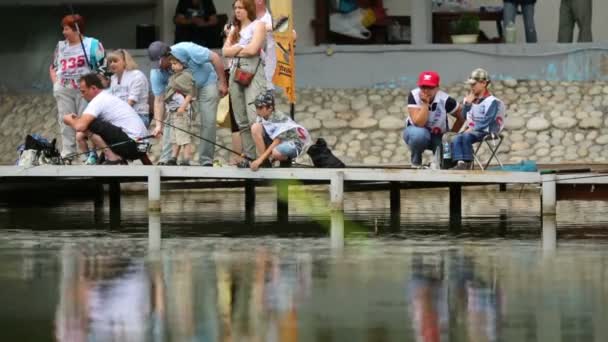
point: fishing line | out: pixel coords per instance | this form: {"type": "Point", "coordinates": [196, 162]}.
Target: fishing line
{"type": "Point", "coordinates": [72, 156]}
{"type": "Point", "coordinates": [206, 140]}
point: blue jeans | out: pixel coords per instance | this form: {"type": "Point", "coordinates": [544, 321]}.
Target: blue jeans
{"type": "Point", "coordinates": [462, 145]}
{"type": "Point", "coordinates": [510, 12]}
{"type": "Point", "coordinates": [419, 139]}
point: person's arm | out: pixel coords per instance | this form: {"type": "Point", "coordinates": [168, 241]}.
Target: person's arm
{"type": "Point", "coordinates": [218, 65]}
{"type": "Point", "coordinates": [253, 48]}
{"type": "Point", "coordinates": [80, 124]}
{"type": "Point", "coordinates": [202, 22]}
{"type": "Point", "coordinates": [180, 14]}
{"type": "Point", "coordinates": [210, 18]}
{"type": "Point", "coordinates": [184, 107]}
{"type": "Point", "coordinates": [158, 89]}
{"type": "Point", "coordinates": [255, 165]}
{"type": "Point", "coordinates": [454, 109]}
{"type": "Point", "coordinates": [459, 120]}
{"type": "Point", "coordinates": [138, 89]}
{"type": "Point", "coordinates": [53, 68]}
{"type": "Point", "coordinates": [231, 48]}
{"type": "Point", "coordinates": [489, 118]}
{"type": "Point", "coordinates": [53, 74]}
{"type": "Point", "coordinates": [419, 113]}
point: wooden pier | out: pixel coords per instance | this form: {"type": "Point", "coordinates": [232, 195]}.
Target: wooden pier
{"type": "Point", "coordinates": [553, 186]}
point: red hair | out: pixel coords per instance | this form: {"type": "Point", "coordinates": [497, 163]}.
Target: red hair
{"type": "Point", "coordinates": [72, 20]}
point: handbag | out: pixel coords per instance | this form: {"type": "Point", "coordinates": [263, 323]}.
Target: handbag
{"type": "Point", "coordinates": [243, 77]}
{"type": "Point", "coordinates": [222, 118]}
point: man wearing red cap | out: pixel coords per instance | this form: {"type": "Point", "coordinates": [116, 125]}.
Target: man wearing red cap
{"type": "Point", "coordinates": [428, 109]}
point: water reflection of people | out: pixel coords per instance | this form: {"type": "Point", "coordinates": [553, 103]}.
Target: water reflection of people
{"type": "Point", "coordinates": [429, 302]}
{"type": "Point", "coordinates": [482, 311]}
{"type": "Point", "coordinates": [260, 302]}
{"type": "Point", "coordinates": [105, 298]}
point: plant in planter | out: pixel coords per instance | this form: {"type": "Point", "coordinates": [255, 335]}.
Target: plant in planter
{"type": "Point", "coordinates": [465, 30]}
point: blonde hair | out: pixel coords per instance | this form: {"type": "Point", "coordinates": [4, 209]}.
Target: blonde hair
{"type": "Point", "coordinates": [124, 55]}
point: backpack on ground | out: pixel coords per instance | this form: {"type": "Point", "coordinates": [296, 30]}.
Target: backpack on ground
{"type": "Point", "coordinates": [321, 155]}
{"type": "Point", "coordinates": [37, 150]}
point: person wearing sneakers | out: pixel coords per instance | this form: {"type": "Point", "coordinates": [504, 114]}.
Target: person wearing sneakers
{"type": "Point", "coordinates": [109, 122]}
{"type": "Point", "coordinates": [208, 71]}
{"type": "Point", "coordinates": [428, 109]}
{"type": "Point", "coordinates": [275, 134]}
{"type": "Point", "coordinates": [485, 114]}
{"type": "Point", "coordinates": [178, 97]}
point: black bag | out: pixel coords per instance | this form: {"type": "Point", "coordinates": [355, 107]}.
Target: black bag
{"type": "Point", "coordinates": [47, 152]}
{"type": "Point", "coordinates": [322, 157]}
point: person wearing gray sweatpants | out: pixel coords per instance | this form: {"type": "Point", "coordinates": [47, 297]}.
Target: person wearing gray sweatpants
{"type": "Point", "coordinates": [577, 12]}
{"type": "Point", "coordinates": [74, 57]}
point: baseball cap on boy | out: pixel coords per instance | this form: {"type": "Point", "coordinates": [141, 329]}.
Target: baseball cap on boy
{"type": "Point", "coordinates": [477, 75]}
{"type": "Point", "coordinates": [428, 79]}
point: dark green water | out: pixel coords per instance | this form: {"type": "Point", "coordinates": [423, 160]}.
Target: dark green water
{"type": "Point", "coordinates": [70, 274]}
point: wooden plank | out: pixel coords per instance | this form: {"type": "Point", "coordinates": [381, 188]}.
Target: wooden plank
{"type": "Point", "coordinates": [386, 175]}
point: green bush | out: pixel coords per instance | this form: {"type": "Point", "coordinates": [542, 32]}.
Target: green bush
{"type": "Point", "coordinates": [466, 24]}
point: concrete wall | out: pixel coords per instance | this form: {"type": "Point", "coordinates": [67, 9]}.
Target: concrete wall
{"type": "Point", "coordinates": [27, 47]}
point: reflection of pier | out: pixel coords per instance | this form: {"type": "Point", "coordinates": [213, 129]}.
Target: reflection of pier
{"type": "Point", "coordinates": [555, 186]}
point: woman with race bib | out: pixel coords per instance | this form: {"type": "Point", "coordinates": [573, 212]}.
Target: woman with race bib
{"type": "Point", "coordinates": [74, 57]}
{"type": "Point", "coordinates": [129, 84]}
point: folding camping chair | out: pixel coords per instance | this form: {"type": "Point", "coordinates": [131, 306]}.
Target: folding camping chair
{"type": "Point", "coordinates": [493, 142]}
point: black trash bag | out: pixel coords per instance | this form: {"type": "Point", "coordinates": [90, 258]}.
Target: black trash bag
{"type": "Point", "coordinates": [322, 157]}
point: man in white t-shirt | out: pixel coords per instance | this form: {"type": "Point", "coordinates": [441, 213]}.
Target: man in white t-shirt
{"type": "Point", "coordinates": [110, 123]}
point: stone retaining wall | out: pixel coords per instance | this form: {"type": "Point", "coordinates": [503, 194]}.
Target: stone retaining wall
{"type": "Point", "coordinates": [547, 121]}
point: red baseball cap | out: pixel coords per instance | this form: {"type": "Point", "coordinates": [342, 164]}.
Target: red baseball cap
{"type": "Point", "coordinates": [428, 79]}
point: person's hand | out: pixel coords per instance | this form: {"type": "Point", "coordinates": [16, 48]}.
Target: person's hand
{"type": "Point", "coordinates": [68, 118]}
{"type": "Point", "coordinates": [198, 21]}
{"type": "Point", "coordinates": [469, 98]}
{"type": "Point", "coordinates": [425, 98]}
{"type": "Point", "coordinates": [158, 130]}
{"type": "Point", "coordinates": [255, 165]}
{"type": "Point", "coordinates": [223, 89]}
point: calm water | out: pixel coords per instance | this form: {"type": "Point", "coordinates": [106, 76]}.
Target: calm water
{"type": "Point", "coordinates": [71, 274]}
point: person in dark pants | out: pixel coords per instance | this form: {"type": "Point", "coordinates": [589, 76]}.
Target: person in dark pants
{"type": "Point", "coordinates": [575, 12]}
{"type": "Point", "coordinates": [527, 8]}
{"type": "Point", "coordinates": [109, 122]}
{"type": "Point", "coordinates": [196, 21]}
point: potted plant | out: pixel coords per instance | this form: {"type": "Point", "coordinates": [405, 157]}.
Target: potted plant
{"type": "Point", "coordinates": [465, 30]}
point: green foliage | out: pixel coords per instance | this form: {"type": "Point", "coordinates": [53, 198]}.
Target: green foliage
{"type": "Point", "coordinates": [466, 24]}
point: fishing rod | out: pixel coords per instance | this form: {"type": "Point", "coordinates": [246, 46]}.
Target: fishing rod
{"type": "Point", "coordinates": [242, 155]}
{"type": "Point", "coordinates": [86, 58]}
{"type": "Point", "coordinates": [74, 155]}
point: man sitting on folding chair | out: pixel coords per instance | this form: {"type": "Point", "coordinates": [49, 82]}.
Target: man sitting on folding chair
{"type": "Point", "coordinates": [485, 115]}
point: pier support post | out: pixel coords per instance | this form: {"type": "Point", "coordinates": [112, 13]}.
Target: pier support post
{"type": "Point", "coordinates": [549, 195]}
{"type": "Point", "coordinates": [336, 207]}
{"type": "Point", "coordinates": [114, 204]}
{"type": "Point", "coordinates": [395, 198]}
{"type": "Point", "coordinates": [98, 203]}
{"type": "Point", "coordinates": [283, 201]}
{"type": "Point", "coordinates": [154, 231]}
{"type": "Point", "coordinates": [154, 191]}
{"type": "Point", "coordinates": [455, 205]}
{"type": "Point", "coordinates": [249, 201]}
{"type": "Point", "coordinates": [549, 235]}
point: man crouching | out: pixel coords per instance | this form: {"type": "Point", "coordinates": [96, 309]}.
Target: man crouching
{"type": "Point", "coordinates": [110, 123]}
{"type": "Point", "coordinates": [276, 135]}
